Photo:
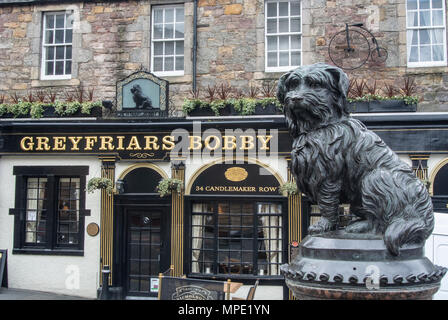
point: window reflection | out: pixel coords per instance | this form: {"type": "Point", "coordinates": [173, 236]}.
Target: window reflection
{"type": "Point", "coordinates": [236, 238]}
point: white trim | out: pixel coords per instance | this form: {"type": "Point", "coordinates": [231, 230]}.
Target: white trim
{"type": "Point", "coordinates": [423, 64]}
{"type": "Point", "coordinates": [64, 76]}
{"type": "Point", "coordinates": [277, 34]}
{"type": "Point", "coordinates": [169, 73]}
{"type": "Point", "coordinates": [175, 72]}
{"type": "Point", "coordinates": [280, 69]}
{"type": "Point", "coordinates": [426, 64]}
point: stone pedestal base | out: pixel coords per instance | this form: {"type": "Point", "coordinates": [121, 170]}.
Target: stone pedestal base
{"type": "Point", "coordinates": [308, 292]}
{"type": "Point", "coordinates": [339, 265]}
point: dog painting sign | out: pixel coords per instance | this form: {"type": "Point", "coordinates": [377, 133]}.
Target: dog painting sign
{"type": "Point", "coordinates": [142, 93]}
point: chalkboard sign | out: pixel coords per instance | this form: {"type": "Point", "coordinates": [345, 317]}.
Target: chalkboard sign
{"type": "Point", "coordinates": [3, 278]}
{"type": "Point", "coordinates": [174, 288]}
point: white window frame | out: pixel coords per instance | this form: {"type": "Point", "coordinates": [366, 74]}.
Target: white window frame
{"type": "Point", "coordinates": [408, 41]}
{"type": "Point", "coordinates": [174, 39]}
{"type": "Point", "coordinates": [289, 67]}
{"type": "Point", "coordinates": [64, 44]}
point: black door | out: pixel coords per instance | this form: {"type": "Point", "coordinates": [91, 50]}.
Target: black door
{"type": "Point", "coordinates": [145, 251]}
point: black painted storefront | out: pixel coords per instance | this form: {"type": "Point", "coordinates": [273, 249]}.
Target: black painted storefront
{"type": "Point", "coordinates": [406, 134]}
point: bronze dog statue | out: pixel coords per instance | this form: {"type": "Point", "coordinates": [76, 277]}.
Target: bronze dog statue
{"type": "Point", "coordinates": [336, 159]}
{"type": "Point", "coordinates": [141, 101]}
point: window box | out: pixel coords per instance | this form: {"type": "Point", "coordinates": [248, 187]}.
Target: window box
{"type": "Point", "coordinates": [232, 107]}
{"type": "Point", "coordinates": [201, 112]}
{"type": "Point", "coordinates": [228, 110]}
{"type": "Point", "coordinates": [269, 109]}
{"type": "Point", "coordinates": [358, 106]}
{"type": "Point", "coordinates": [39, 110]}
{"type": "Point", "coordinates": [393, 105]}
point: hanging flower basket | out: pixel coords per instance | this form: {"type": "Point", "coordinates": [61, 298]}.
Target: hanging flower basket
{"type": "Point", "coordinates": [100, 184]}
{"type": "Point", "coordinates": [166, 186]}
{"type": "Point", "coordinates": [288, 189]}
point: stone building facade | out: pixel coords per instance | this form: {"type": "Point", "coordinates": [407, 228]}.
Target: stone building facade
{"type": "Point", "coordinates": [112, 39]}
{"type": "Point", "coordinates": [62, 47]}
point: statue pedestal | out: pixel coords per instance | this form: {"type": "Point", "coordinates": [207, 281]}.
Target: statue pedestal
{"type": "Point", "coordinates": [339, 265]}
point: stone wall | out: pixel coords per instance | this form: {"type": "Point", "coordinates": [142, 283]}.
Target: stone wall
{"type": "Point", "coordinates": [112, 40]}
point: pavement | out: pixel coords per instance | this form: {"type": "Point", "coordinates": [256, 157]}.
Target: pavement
{"type": "Point", "coordinates": [20, 294]}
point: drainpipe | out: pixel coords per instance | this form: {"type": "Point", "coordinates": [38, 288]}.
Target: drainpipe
{"type": "Point", "coordinates": [195, 40]}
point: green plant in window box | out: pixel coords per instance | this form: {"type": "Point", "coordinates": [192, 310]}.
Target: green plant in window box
{"type": "Point", "coordinates": [36, 110]}
{"type": "Point", "coordinates": [167, 185]}
{"type": "Point", "coordinates": [100, 184]}
{"type": "Point", "coordinates": [19, 109]}
{"type": "Point", "coordinates": [3, 109]}
{"type": "Point", "coordinates": [217, 105]}
{"type": "Point", "coordinates": [427, 183]}
{"type": "Point", "coordinates": [86, 107]}
{"type": "Point", "coordinates": [59, 107]}
{"type": "Point", "coordinates": [288, 189]}
{"type": "Point", "coordinates": [245, 106]}
{"type": "Point", "coordinates": [265, 102]}
{"type": "Point", "coordinates": [72, 108]}
{"type": "Point", "coordinates": [190, 104]}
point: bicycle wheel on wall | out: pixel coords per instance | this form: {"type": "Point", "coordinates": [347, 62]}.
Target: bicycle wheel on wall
{"type": "Point", "coordinates": [379, 54]}
{"type": "Point", "coordinates": [345, 56]}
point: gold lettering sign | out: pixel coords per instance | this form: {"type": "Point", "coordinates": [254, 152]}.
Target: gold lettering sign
{"type": "Point", "coordinates": [139, 143]}
{"type": "Point", "coordinates": [236, 174]}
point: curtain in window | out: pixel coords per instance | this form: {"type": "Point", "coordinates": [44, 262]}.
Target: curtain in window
{"type": "Point", "coordinates": [272, 236]}
{"type": "Point", "coordinates": [197, 231]}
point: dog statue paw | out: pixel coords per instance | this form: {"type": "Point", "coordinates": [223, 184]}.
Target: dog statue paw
{"type": "Point", "coordinates": [323, 225]}
{"type": "Point", "coordinates": [360, 226]}
{"type": "Point", "coordinates": [334, 156]}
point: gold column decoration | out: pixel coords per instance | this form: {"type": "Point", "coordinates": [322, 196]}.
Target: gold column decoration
{"type": "Point", "coordinates": [420, 166]}
{"type": "Point", "coordinates": [294, 217]}
{"type": "Point", "coordinates": [107, 215]}
{"type": "Point", "coordinates": [177, 222]}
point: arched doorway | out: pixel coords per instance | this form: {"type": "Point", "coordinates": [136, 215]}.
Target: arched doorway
{"type": "Point", "coordinates": [439, 187]}
{"type": "Point", "coordinates": [141, 231]}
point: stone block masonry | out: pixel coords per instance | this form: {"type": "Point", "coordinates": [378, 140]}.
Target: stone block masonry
{"type": "Point", "coordinates": [113, 40]}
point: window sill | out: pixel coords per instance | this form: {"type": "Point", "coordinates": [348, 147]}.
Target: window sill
{"type": "Point", "coordinates": [426, 69]}
{"type": "Point", "coordinates": [55, 83]}
{"type": "Point", "coordinates": [48, 252]}
{"type": "Point", "coordinates": [277, 70]}
{"type": "Point", "coordinates": [176, 79]}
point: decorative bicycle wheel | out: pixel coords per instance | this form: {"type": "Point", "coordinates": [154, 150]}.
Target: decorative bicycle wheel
{"type": "Point", "coordinates": [345, 56]}
{"type": "Point", "coordinates": [379, 57]}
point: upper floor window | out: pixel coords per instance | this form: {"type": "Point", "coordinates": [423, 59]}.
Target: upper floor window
{"type": "Point", "coordinates": [168, 40]}
{"type": "Point", "coordinates": [283, 35]}
{"type": "Point", "coordinates": [426, 33]}
{"type": "Point", "coordinates": [57, 45]}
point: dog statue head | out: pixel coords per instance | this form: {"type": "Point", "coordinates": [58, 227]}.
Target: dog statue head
{"type": "Point", "coordinates": [136, 89]}
{"type": "Point", "coordinates": [313, 96]}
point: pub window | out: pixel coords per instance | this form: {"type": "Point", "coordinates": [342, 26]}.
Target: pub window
{"type": "Point", "coordinates": [426, 33]}
{"type": "Point", "coordinates": [168, 40]}
{"type": "Point", "coordinates": [242, 238]}
{"type": "Point", "coordinates": [49, 211]}
{"type": "Point", "coordinates": [283, 35]}
{"type": "Point", "coordinates": [57, 39]}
